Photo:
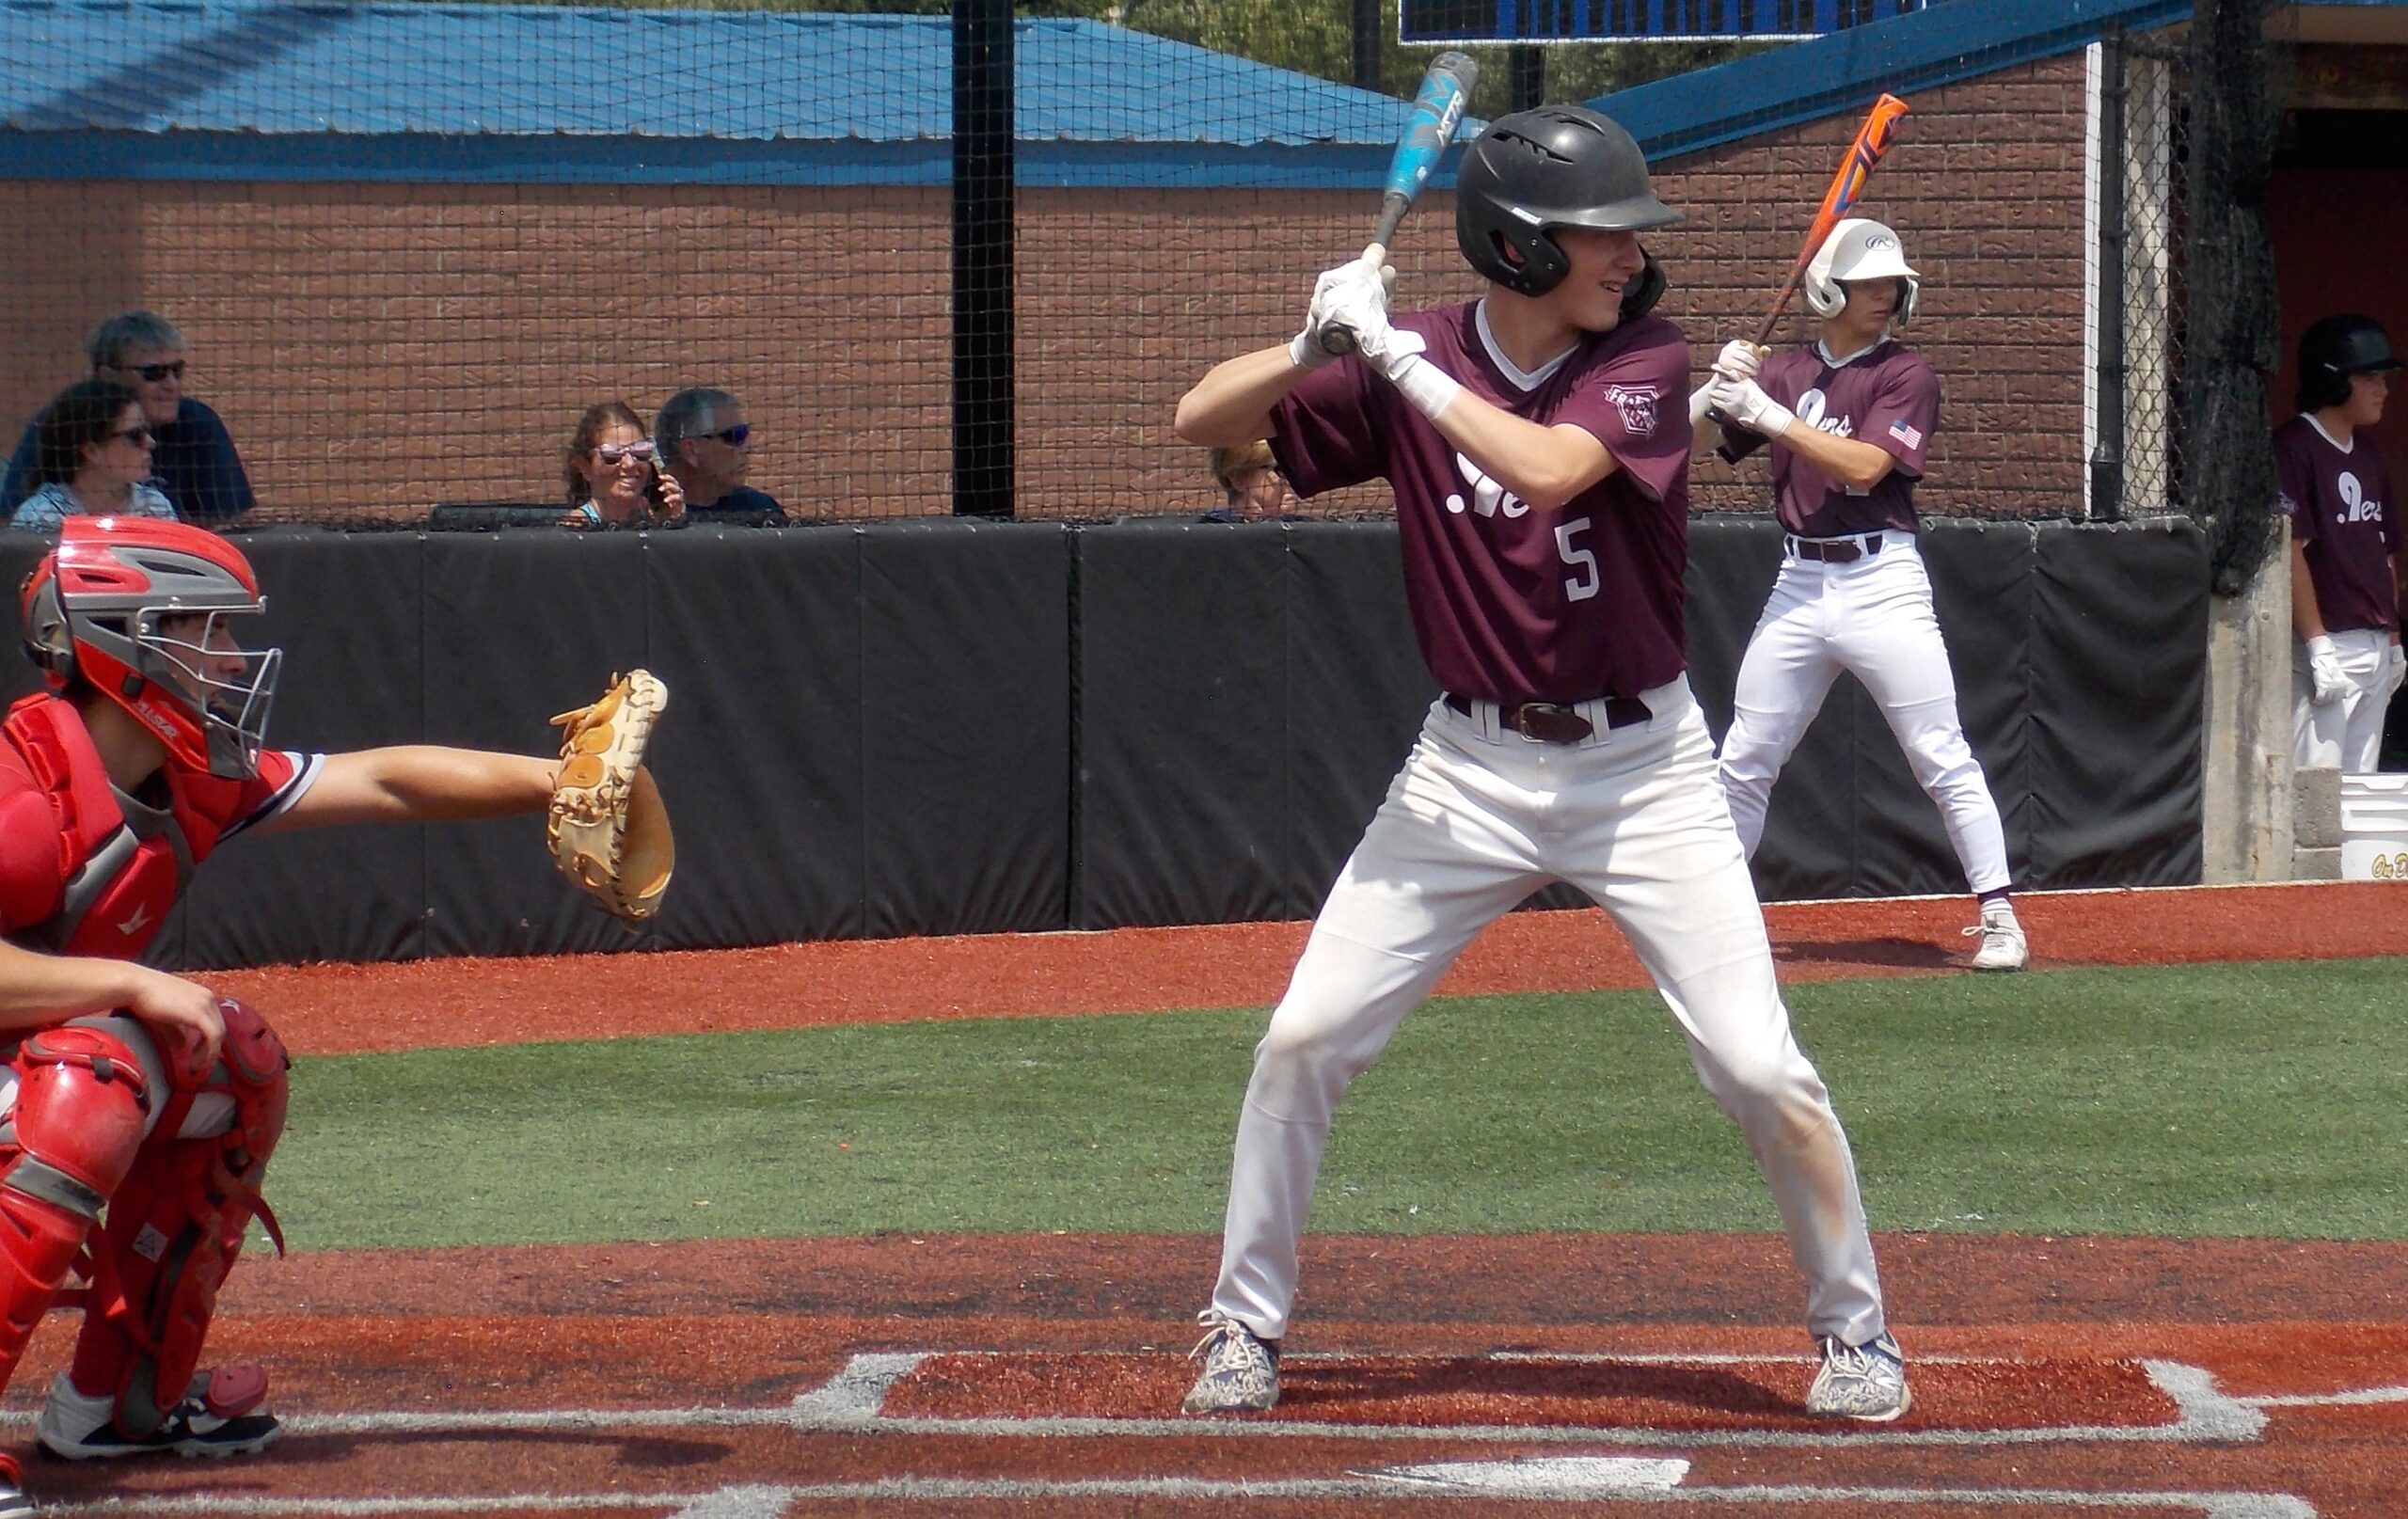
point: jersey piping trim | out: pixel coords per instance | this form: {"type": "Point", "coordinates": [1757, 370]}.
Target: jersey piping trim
{"type": "Point", "coordinates": [1524, 380]}
{"type": "Point", "coordinates": [305, 775]}
{"type": "Point", "coordinates": [2350, 447]}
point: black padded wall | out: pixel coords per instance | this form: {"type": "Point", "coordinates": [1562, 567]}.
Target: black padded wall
{"type": "Point", "coordinates": [963, 727]}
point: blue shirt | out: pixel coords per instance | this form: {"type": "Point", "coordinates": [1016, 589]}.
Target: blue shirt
{"type": "Point", "coordinates": [50, 505]}
{"type": "Point", "coordinates": [193, 461]}
{"type": "Point", "coordinates": [743, 498]}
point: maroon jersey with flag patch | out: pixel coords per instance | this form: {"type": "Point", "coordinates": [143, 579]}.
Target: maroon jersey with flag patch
{"type": "Point", "coordinates": [2339, 503]}
{"type": "Point", "coordinates": [1887, 396]}
{"type": "Point", "coordinates": [1512, 602]}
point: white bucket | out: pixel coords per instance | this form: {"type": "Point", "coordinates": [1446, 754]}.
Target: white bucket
{"type": "Point", "coordinates": [2374, 828]}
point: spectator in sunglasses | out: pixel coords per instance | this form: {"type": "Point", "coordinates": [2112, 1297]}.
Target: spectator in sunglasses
{"type": "Point", "coordinates": [706, 444]}
{"type": "Point", "coordinates": [193, 459]}
{"type": "Point", "coordinates": [613, 476]}
{"type": "Point", "coordinates": [92, 453]}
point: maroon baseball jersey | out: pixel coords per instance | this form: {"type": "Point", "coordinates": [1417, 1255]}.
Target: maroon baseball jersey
{"type": "Point", "coordinates": [1886, 396]}
{"type": "Point", "coordinates": [1512, 602]}
{"type": "Point", "coordinates": [2339, 501]}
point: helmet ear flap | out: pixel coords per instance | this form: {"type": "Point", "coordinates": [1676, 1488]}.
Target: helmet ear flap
{"type": "Point", "coordinates": [1824, 297]}
{"type": "Point", "coordinates": [1645, 289]}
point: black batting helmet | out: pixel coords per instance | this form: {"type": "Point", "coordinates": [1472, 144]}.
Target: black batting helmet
{"type": "Point", "coordinates": [2333, 349]}
{"type": "Point", "coordinates": [1557, 165]}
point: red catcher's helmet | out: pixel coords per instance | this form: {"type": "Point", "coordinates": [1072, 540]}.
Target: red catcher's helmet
{"type": "Point", "coordinates": [98, 609]}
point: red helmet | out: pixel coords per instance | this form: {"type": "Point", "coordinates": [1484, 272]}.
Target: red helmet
{"type": "Point", "coordinates": [98, 609]}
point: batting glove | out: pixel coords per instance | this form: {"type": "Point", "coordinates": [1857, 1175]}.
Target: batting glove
{"type": "Point", "coordinates": [1352, 287]}
{"type": "Point", "coordinates": [2324, 672]}
{"type": "Point", "coordinates": [1738, 359]}
{"type": "Point", "coordinates": [1745, 404]}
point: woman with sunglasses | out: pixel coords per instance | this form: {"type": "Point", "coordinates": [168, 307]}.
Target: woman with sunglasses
{"type": "Point", "coordinates": [92, 457]}
{"type": "Point", "coordinates": [613, 474]}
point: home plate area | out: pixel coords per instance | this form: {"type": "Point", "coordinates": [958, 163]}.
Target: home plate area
{"type": "Point", "coordinates": [1082, 1435]}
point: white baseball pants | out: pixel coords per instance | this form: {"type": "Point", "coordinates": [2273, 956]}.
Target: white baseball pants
{"type": "Point", "coordinates": [1476, 821]}
{"type": "Point", "coordinates": [1871, 617]}
{"type": "Point", "coordinates": [2347, 732]}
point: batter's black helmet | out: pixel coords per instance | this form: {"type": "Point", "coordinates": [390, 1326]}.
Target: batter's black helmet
{"type": "Point", "coordinates": [1559, 165]}
{"type": "Point", "coordinates": [2335, 348]}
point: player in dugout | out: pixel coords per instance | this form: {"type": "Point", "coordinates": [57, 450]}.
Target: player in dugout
{"type": "Point", "coordinates": [1538, 447]}
{"type": "Point", "coordinates": [123, 1086]}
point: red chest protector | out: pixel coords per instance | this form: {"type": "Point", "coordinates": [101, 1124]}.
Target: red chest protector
{"type": "Point", "coordinates": [83, 868]}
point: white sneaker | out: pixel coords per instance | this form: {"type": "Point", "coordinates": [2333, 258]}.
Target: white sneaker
{"type": "Point", "coordinates": [1241, 1373]}
{"type": "Point", "coordinates": [1864, 1381]}
{"type": "Point", "coordinates": [220, 1415]}
{"type": "Point", "coordinates": [2003, 947]}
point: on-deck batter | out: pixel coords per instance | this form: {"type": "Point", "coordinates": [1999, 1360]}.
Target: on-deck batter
{"type": "Point", "coordinates": [1538, 449]}
{"type": "Point", "coordinates": [1849, 416]}
{"type": "Point", "coordinates": [2346, 558]}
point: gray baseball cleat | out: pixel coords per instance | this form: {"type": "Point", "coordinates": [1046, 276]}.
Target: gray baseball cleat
{"type": "Point", "coordinates": [1864, 1381]}
{"type": "Point", "coordinates": [1241, 1371]}
{"type": "Point", "coordinates": [2003, 947]}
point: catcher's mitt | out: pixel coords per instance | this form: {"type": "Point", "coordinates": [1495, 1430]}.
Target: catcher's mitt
{"type": "Point", "coordinates": [609, 831]}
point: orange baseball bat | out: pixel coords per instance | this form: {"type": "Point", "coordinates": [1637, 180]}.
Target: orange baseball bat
{"type": "Point", "coordinates": [1871, 141]}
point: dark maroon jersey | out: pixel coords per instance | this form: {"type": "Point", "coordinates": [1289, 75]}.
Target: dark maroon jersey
{"type": "Point", "coordinates": [1886, 396]}
{"type": "Point", "coordinates": [2339, 501]}
{"type": "Point", "coordinates": [1511, 602]}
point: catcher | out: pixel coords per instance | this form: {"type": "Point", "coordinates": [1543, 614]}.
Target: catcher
{"type": "Point", "coordinates": [143, 1091]}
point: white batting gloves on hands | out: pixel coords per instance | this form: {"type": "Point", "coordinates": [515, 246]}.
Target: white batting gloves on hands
{"type": "Point", "coordinates": [1745, 404]}
{"type": "Point", "coordinates": [1740, 360]}
{"type": "Point", "coordinates": [2324, 672]}
{"type": "Point", "coordinates": [1341, 295]}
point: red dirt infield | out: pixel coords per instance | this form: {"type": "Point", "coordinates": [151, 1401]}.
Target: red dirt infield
{"type": "Point", "coordinates": [1588, 1375]}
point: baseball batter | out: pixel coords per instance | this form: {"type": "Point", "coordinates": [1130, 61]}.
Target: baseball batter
{"type": "Point", "coordinates": [2346, 557]}
{"type": "Point", "coordinates": [1538, 451]}
{"type": "Point", "coordinates": [126, 1086]}
{"type": "Point", "coordinates": [1849, 416]}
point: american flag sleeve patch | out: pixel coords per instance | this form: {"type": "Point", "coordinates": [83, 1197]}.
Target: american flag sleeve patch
{"type": "Point", "coordinates": [1911, 437]}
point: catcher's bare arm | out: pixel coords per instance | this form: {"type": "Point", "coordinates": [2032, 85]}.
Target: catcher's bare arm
{"type": "Point", "coordinates": [419, 783]}
{"type": "Point", "coordinates": [36, 990]}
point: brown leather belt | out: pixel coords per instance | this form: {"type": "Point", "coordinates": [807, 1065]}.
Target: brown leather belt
{"type": "Point", "coordinates": [1554, 722]}
{"type": "Point", "coordinates": [1835, 550]}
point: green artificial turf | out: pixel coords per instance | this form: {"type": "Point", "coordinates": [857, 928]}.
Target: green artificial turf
{"type": "Point", "coordinates": [2259, 1099]}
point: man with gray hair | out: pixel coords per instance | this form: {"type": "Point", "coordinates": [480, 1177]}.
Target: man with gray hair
{"type": "Point", "coordinates": [193, 460]}
{"type": "Point", "coordinates": [701, 437]}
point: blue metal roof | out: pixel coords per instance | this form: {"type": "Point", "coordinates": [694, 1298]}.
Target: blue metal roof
{"type": "Point", "coordinates": [639, 94]}
{"type": "Point", "coordinates": [1844, 70]}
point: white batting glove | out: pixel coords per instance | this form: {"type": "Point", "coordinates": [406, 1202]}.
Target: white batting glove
{"type": "Point", "coordinates": [1351, 286]}
{"type": "Point", "coordinates": [1745, 404]}
{"type": "Point", "coordinates": [1740, 360]}
{"type": "Point", "coordinates": [2324, 672]}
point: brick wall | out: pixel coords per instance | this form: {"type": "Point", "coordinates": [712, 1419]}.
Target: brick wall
{"type": "Point", "coordinates": [377, 348]}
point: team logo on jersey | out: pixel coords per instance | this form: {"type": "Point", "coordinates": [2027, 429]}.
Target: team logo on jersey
{"type": "Point", "coordinates": [1637, 404]}
{"type": "Point", "coordinates": [1809, 410]}
{"type": "Point", "coordinates": [1488, 497]}
{"type": "Point", "coordinates": [2354, 505]}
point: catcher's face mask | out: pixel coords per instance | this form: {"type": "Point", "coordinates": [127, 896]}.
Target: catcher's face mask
{"type": "Point", "coordinates": [229, 688]}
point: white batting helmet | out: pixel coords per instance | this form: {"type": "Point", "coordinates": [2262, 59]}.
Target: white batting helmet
{"type": "Point", "coordinates": [1860, 249]}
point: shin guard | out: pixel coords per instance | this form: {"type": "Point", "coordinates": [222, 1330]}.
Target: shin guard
{"type": "Point", "coordinates": [175, 1228]}
{"type": "Point", "coordinates": [64, 1150]}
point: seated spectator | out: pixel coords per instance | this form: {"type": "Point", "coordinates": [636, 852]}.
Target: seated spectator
{"type": "Point", "coordinates": [613, 474]}
{"type": "Point", "coordinates": [1252, 487]}
{"type": "Point", "coordinates": [91, 458]}
{"type": "Point", "coordinates": [705, 443]}
{"type": "Point", "coordinates": [194, 461]}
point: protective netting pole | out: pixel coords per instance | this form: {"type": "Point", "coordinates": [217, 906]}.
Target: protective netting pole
{"type": "Point", "coordinates": [2233, 345]}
